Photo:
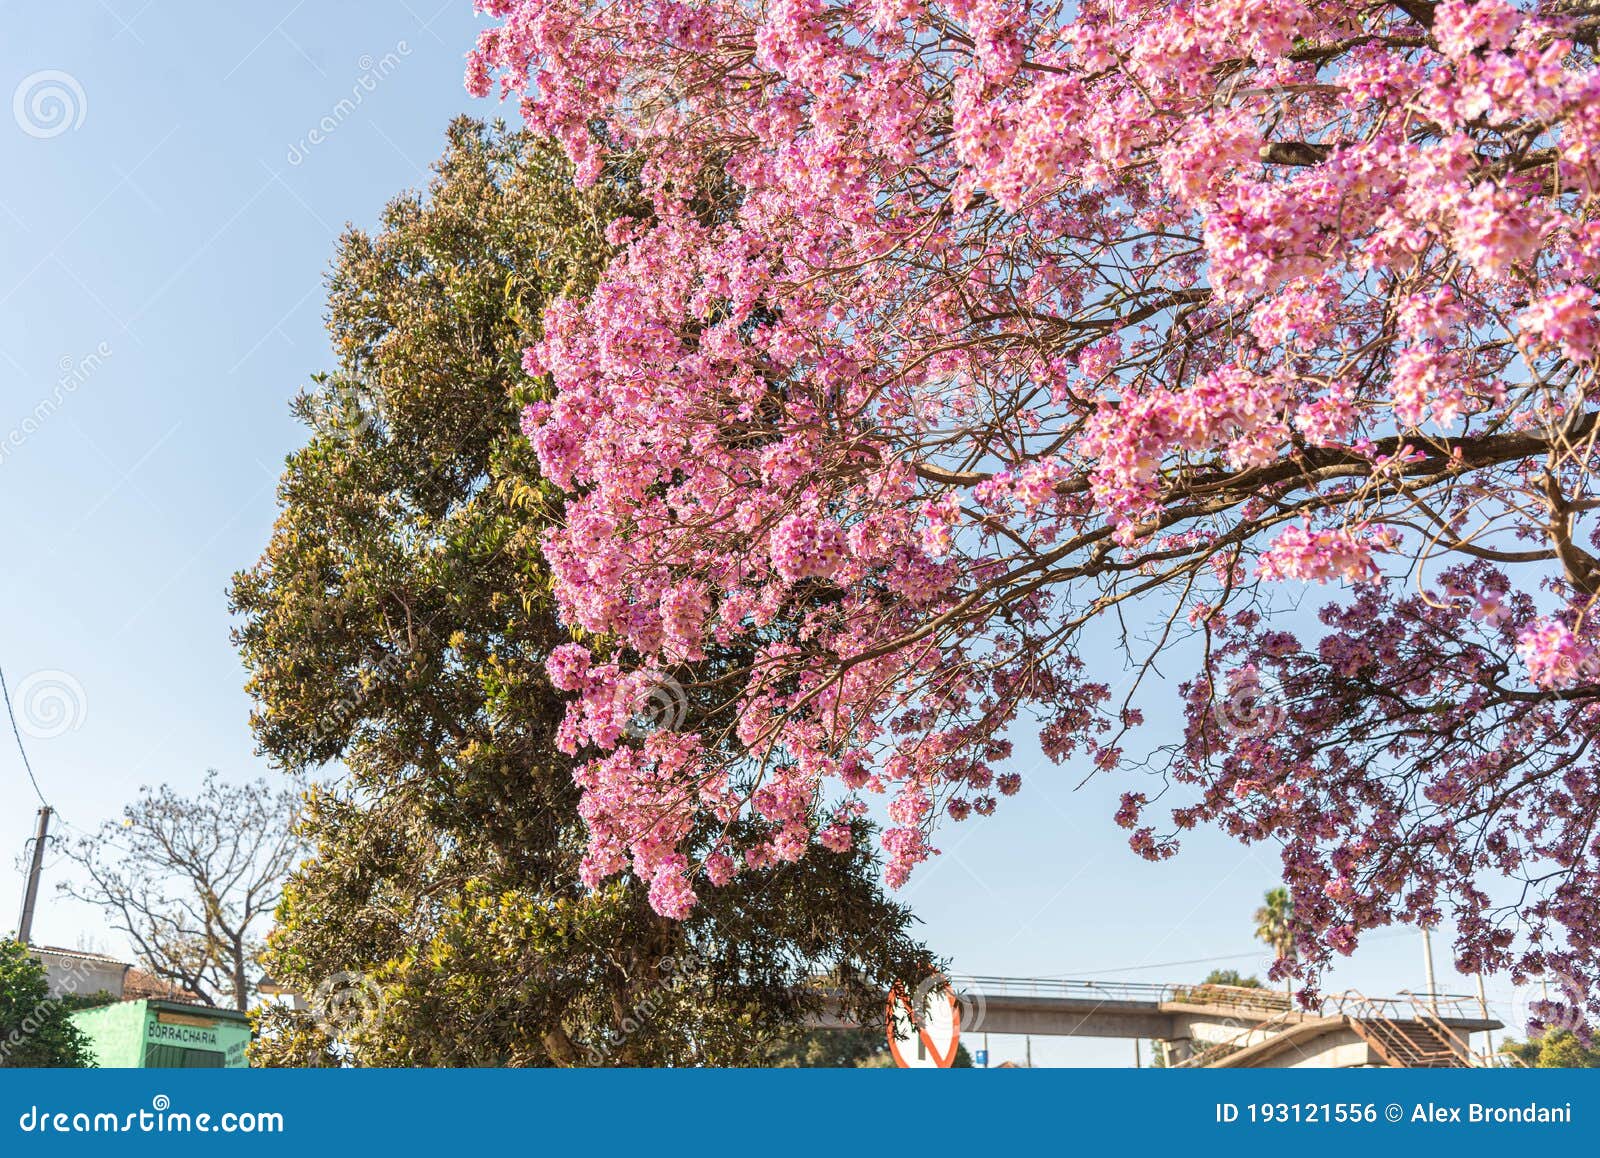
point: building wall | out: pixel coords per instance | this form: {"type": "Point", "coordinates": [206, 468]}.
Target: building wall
{"type": "Point", "coordinates": [116, 1033]}
{"type": "Point", "coordinates": [198, 1029]}
{"type": "Point", "coordinates": [121, 1034]}
{"type": "Point", "coordinates": [69, 975]}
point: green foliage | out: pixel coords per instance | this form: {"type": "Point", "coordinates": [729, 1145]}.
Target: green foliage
{"type": "Point", "coordinates": [35, 1028]}
{"type": "Point", "coordinates": [1231, 977]}
{"type": "Point", "coordinates": [831, 1049]}
{"type": "Point", "coordinates": [399, 621]}
{"type": "Point", "coordinates": [1275, 922]}
{"type": "Point", "coordinates": [1557, 1049]}
{"type": "Point", "coordinates": [866, 1048]}
{"type": "Point", "coordinates": [80, 1001]}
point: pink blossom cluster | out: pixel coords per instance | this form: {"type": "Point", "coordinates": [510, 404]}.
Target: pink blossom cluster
{"type": "Point", "coordinates": [804, 546]}
{"type": "Point", "coordinates": [1507, 784]}
{"type": "Point", "coordinates": [1301, 553]}
{"type": "Point", "coordinates": [955, 328]}
{"type": "Point", "coordinates": [1555, 656]}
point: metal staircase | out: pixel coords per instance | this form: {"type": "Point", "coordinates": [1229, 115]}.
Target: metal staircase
{"type": "Point", "coordinates": [1405, 1032]}
{"type": "Point", "coordinates": [1408, 1032]}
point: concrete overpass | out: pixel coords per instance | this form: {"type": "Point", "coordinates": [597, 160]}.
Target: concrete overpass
{"type": "Point", "coordinates": [1225, 1025]}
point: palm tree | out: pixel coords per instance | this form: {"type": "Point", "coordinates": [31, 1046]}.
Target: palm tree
{"type": "Point", "coordinates": [1274, 926]}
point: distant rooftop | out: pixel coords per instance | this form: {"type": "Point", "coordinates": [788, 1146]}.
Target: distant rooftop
{"type": "Point", "coordinates": [78, 955]}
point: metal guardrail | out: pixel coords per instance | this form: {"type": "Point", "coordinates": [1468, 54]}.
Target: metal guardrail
{"type": "Point", "coordinates": [1457, 1006]}
{"type": "Point", "coordinates": [1271, 1005]}
{"type": "Point", "coordinates": [1261, 1000]}
{"type": "Point", "coordinates": [1371, 1017]}
{"type": "Point", "coordinates": [1140, 991]}
{"type": "Point", "coordinates": [1143, 992]}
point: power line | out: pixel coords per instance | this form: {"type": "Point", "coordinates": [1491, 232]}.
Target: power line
{"type": "Point", "coordinates": [1193, 960]}
{"type": "Point", "coordinates": [1157, 965]}
{"type": "Point", "coordinates": [5, 693]}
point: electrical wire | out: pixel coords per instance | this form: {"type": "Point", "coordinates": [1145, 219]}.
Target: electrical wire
{"type": "Point", "coordinates": [5, 693]}
{"type": "Point", "coordinates": [1192, 961]}
{"type": "Point", "coordinates": [1157, 965]}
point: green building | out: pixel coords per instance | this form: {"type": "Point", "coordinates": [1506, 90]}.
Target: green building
{"type": "Point", "coordinates": [165, 1035]}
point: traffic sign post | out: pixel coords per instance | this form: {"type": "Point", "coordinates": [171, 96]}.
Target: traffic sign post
{"type": "Point", "coordinates": [924, 1038]}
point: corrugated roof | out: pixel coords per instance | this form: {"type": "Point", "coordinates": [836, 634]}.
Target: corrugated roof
{"type": "Point", "coordinates": [78, 955]}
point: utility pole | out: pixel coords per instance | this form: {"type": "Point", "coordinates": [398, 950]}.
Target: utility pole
{"type": "Point", "coordinates": [30, 893]}
{"type": "Point", "coordinates": [1483, 1004]}
{"type": "Point", "coordinates": [1427, 964]}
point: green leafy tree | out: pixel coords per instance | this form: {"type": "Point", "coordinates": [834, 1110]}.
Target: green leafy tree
{"type": "Point", "coordinates": [1275, 926]}
{"type": "Point", "coordinates": [1557, 1049]}
{"type": "Point", "coordinates": [830, 1049]}
{"type": "Point", "coordinates": [1274, 922]}
{"type": "Point", "coordinates": [1231, 977]}
{"type": "Point", "coordinates": [36, 1029]}
{"type": "Point", "coordinates": [400, 620]}
{"type": "Point", "coordinates": [865, 1048]}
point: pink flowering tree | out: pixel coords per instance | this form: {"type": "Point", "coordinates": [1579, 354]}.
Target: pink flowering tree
{"type": "Point", "coordinates": [967, 343]}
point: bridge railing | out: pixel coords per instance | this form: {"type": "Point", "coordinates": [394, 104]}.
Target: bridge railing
{"type": "Point", "coordinates": [1254, 998]}
{"type": "Point", "coordinates": [1266, 1001]}
{"type": "Point", "coordinates": [1143, 991]}
{"type": "Point", "coordinates": [1407, 1005]}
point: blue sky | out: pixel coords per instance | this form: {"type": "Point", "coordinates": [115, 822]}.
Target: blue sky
{"type": "Point", "coordinates": [165, 225]}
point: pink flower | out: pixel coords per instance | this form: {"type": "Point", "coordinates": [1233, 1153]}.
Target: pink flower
{"type": "Point", "coordinates": [1565, 320]}
{"type": "Point", "coordinates": [836, 838]}
{"type": "Point", "coordinates": [568, 665]}
{"type": "Point", "coordinates": [1554, 656]}
{"type": "Point", "coordinates": [854, 771]}
{"type": "Point", "coordinates": [670, 894]}
{"type": "Point", "coordinates": [805, 545]}
{"type": "Point", "coordinates": [719, 868]}
{"type": "Point", "coordinates": [1461, 27]}
{"type": "Point", "coordinates": [1301, 553]}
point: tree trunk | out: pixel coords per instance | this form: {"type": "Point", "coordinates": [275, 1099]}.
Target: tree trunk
{"type": "Point", "coordinates": [241, 984]}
